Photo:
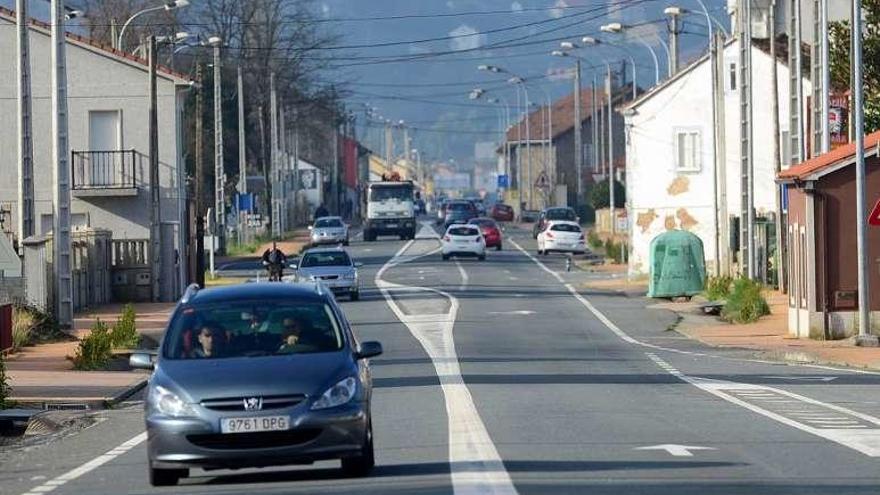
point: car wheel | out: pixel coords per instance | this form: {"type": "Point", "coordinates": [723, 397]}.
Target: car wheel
{"type": "Point", "coordinates": [346, 242]}
{"type": "Point", "coordinates": [482, 257]}
{"type": "Point", "coordinates": [167, 477]}
{"type": "Point", "coordinates": [354, 295]}
{"type": "Point", "coordinates": [445, 257]}
{"type": "Point", "coordinates": [498, 247]}
{"type": "Point", "coordinates": [361, 465]}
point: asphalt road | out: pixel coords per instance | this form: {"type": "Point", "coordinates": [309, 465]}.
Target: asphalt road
{"type": "Point", "coordinates": [503, 377]}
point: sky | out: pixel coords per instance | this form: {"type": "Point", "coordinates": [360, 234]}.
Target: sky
{"type": "Point", "coordinates": [438, 45]}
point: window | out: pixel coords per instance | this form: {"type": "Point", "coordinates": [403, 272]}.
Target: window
{"type": "Point", "coordinates": [463, 231]}
{"type": "Point", "coordinates": [565, 227]}
{"type": "Point", "coordinates": [328, 223]}
{"type": "Point", "coordinates": [785, 148]}
{"type": "Point", "coordinates": [731, 76]}
{"type": "Point", "coordinates": [337, 258]}
{"type": "Point", "coordinates": [105, 132]}
{"type": "Point", "coordinates": [687, 151]}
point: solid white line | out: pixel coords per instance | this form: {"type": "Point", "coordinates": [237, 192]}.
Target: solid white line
{"type": "Point", "coordinates": [464, 277]}
{"type": "Point", "coordinates": [864, 441]}
{"type": "Point", "coordinates": [88, 466]}
{"type": "Point", "coordinates": [475, 464]}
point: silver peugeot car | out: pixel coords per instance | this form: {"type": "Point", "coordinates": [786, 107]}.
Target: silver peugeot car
{"type": "Point", "coordinates": [331, 266]}
{"type": "Point", "coordinates": [329, 230]}
{"type": "Point", "coordinates": [258, 375]}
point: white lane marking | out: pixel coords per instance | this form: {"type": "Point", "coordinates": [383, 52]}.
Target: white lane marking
{"type": "Point", "coordinates": [675, 450]}
{"type": "Point", "coordinates": [88, 466]}
{"type": "Point", "coordinates": [475, 464]}
{"type": "Point", "coordinates": [522, 312]}
{"type": "Point", "coordinates": [804, 378]}
{"type": "Point", "coordinates": [464, 277]}
{"type": "Point", "coordinates": [866, 441]}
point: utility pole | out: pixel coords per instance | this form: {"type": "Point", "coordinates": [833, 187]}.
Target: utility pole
{"type": "Point", "coordinates": [200, 177]}
{"type": "Point", "coordinates": [821, 141]}
{"type": "Point", "coordinates": [406, 147]}
{"type": "Point", "coordinates": [219, 189]}
{"type": "Point", "coordinates": [61, 172]}
{"type": "Point", "coordinates": [722, 225]}
{"type": "Point", "coordinates": [242, 156]}
{"type": "Point", "coordinates": [864, 338]}
{"type": "Point", "coordinates": [747, 218]}
{"type": "Point", "coordinates": [283, 167]}
{"type": "Point", "coordinates": [578, 139]}
{"type": "Point", "coordinates": [389, 145]}
{"type": "Point", "coordinates": [674, 31]}
{"type": "Point", "coordinates": [795, 85]}
{"type": "Point", "coordinates": [594, 127]}
{"type": "Point", "coordinates": [25, 128]}
{"type": "Point", "coordinates": [273, 157]}
{"type": "Point", "coordinates": [611, 171]}
{"type": "Point", "coordinates": [155, 186]}
{"type": "Point", "coordinates": [296, 182]}
{"type": "Point", "coordinates": [781, 267]}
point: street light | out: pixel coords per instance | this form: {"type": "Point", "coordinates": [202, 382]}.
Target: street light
{"type": "Point", "coordinates": [589, 40]}
{"type": "Point", "coordinates": [169, 5]}
{"type": "Point", "coordinates": [618, 28]}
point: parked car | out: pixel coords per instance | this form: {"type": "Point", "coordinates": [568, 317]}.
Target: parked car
{"type": "Point", "coordinates": [257, 375]}
{"type": "Point", "coordinates": [489, 229]}
{"type": "Point", "coordinates": [459, 212]}
{"type": "Point", "coordinates": [501, 212]}
{"type": "Point", "coordinates": [554, 213]}
{"type": "Point", "coordinates": [463, 240]}
{"type": "Point", "coordinates": [331, 266]}
{"type": "Point", "coordinates": [561, 236]}
{"type": "Point", "coordinates": [329, 230]}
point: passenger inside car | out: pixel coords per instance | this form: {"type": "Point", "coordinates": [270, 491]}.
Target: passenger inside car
{"type": "Point", "coordinates": [211, 342]}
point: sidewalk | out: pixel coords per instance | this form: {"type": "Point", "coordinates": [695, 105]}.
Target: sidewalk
{"type": "Point", "coordinates": [42, 375]}
{"type": "Point", "coordinates": [769, 337]}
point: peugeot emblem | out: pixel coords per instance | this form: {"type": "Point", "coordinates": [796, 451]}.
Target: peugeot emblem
{"type": "Point", "coordinates": [253, 404]}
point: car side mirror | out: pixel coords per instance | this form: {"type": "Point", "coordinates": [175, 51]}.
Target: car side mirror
{"type": "Point", "coordinates": [293, 266]}
{"type": "Point", "coordinates": [142, 361]}
{"type": "Point", "coordinates": [369, 349]}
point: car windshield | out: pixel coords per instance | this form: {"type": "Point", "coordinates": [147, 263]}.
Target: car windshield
{"type": "Point", "coordinates": [234, 329]}
{"type": "Point", "coordinates": [385, 193]}
{"type": "Point", "coordinates": [565, 227]}
{"type": "Point", "coordinates": [463, 231]}
{"type": "Point", "coordinates": [560, 214]}
{"type": "Point", "coordinates": [329, 258]}
{"type": "Point", "coordinates": [328, 222]}
{"type": "Point", "coordinates": [483, 222]}
{"type": "Point", "coordinates": [459, 207]}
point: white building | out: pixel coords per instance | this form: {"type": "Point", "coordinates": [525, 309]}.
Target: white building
{"type": "Point", "coordinates": [670, 158]}
{"type": "Point", "coordinates": [109, 143]}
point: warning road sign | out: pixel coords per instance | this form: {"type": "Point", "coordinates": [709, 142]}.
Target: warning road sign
{"type": "Point", "coordinates": [542, 181]}
{"type": "Point", "coordinates": [874, 217]}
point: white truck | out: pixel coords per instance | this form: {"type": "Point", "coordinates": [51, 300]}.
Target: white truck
{"type": "Point", "coordinates": [390, 210]}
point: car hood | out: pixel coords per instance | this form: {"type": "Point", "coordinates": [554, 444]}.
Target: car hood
{"type": "Point", "coordinates": [308, 374]}
{"type": "Point", "coordinates": [321, 271]}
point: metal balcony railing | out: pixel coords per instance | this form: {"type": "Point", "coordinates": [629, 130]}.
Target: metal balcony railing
{"type": "Point", "coordinates": [105, 169]}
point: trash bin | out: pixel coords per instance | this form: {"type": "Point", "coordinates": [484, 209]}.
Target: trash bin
{"type": "Point", "coordinates": [678, 266]}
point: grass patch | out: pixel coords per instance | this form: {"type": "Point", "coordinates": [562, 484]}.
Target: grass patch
{"type": "Point", "coordinates": [594, 240]}
{"type": "Point", "coordinates": [124, 334]}
{"type": "Point", "coordinates": [242, 249]}
{"type": "Point", "coordinates": [745, 304]}
{"type": "Point", "coordinates": [94, 351]}
{"type": "Point", "coordinates": [31, 326]}
{"type": "Point", "coordinates": [718, 288]}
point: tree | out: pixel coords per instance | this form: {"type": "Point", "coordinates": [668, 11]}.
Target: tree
{"type": "Point", "coordinates": [839, 54]}
{"type": "Point", "coordinates": [599, 195]}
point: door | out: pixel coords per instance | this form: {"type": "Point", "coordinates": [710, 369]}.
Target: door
{"type": "Point", "coordinates": [105, 140]}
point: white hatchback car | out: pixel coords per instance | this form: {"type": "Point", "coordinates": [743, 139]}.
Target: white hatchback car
{"type": "Point", "coordinates": [463, 240]}
{"type": "Point", "coordinates": [561, 236]}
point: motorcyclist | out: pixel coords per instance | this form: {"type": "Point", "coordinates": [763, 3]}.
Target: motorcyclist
{"type": "Point", "coordinates": [274, 261]}
{"type": "Point", "coordinates": [321, 212]}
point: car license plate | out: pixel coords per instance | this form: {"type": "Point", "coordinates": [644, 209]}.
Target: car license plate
{"type": "Point", "coordinates": [256, 423]}
{"type": "Point", "coordinates": [391, 225]}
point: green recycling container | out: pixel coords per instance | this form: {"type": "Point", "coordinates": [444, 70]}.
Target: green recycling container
{"type": "Point", "coordinates": [678, 267]}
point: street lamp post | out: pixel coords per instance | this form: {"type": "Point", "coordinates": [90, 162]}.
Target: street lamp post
{"type": "Point", "coordinates": [168, 6]}
{"type": "Point", "coordinates": [618, 28]}
{"type": "Point", "coordinates": [578, 138]}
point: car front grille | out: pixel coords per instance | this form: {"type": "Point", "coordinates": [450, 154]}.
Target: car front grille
{"type": "Point", "coordinates": [328, 277]}
{"type": "Point", "coordinates": [257, 440]}
{"type": "Point", "coordinates": [237, 403]}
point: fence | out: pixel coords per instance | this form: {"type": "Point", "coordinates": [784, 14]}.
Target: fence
{"type": "Point", "coordinates": [131, 270]}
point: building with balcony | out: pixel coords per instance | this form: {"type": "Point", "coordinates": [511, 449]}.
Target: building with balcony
{"type": "Point", "coordinates": [109, 146]}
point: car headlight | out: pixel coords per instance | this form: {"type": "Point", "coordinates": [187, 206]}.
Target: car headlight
{"type": "Point", "coordinates": [169, 404]}
{"type": "Point", "coordinates": [350, 275]}
{"type": "Point", "coordinates": [338, 394]}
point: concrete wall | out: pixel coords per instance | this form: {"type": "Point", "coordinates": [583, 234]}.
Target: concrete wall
{"type": "Point", "coordinates": [97, 80]}
{"type": "Point", "coordinates": [661, 198]}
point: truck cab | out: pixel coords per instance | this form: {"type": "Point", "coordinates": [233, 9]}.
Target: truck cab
{"type": "Point", "coordinates": [390, 210]}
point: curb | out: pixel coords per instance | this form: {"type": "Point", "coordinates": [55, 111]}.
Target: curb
{"type": "Point", "coordinates": [125, 394]}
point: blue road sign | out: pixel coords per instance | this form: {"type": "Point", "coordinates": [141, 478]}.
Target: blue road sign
{"type": "Point", "coordinates": [503, 181]}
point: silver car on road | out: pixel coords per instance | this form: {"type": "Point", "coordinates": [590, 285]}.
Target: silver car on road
{"type": "Point", "coordinates": [331, 266]}
{"type": "Point", "coordinates": [329, 230]}
{"type": "Point", "coordinates": [258, 375]}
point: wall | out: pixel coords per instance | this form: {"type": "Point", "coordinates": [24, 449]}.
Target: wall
{"type": "Point", "coordinates": [660, 198]}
